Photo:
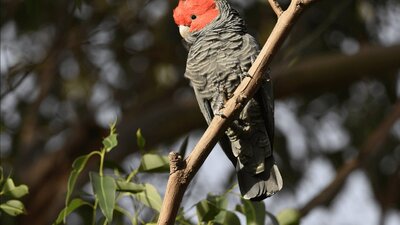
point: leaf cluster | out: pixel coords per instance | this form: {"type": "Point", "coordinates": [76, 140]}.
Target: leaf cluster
{"type": "Point", "coordinates": [10, 195]}
{"type": "Point", "coordinates": [108, 189]}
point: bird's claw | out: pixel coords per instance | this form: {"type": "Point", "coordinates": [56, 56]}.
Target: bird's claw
{"type": "Point", "coordinates": [220, 113]}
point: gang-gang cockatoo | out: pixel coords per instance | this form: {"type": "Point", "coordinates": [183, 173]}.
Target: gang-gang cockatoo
{"type": "Point", "coordinates": [220, 54]}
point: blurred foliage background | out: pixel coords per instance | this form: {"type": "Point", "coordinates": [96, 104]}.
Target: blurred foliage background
{"type": "Point", "coordinates": [69, 68]}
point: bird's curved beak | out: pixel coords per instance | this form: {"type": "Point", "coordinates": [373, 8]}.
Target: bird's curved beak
{"type": "Point", "coordinates": [184, 31]}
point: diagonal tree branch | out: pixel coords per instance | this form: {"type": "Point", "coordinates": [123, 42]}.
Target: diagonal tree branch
{"type": "Point", "coordinates": [368, 150]}
{"type": "Point", "coordinates": [182, 171]}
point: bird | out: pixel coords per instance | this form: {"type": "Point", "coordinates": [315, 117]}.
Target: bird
{"type": "Point", "coordinates": [220, 53]}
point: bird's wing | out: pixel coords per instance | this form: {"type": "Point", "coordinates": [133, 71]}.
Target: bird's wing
{"type": "Point", "coordinates": [259, 185]}
{"type": "Point", "coordinates": [204, 105]}
{"type": "Point", "coordinates": [205, 108]}
{"type": "Point", "coordinates": [265, 93]}
{"type": "Point", "coordinates": [264, 96]}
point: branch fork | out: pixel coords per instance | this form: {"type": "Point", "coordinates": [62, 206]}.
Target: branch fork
{"type": "Point", "coordinates": [176, 163]}
{"type": "Point", "coordinates": [276, 7]}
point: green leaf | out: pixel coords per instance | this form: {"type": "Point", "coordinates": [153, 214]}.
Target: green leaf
{"type": "Point", "coordinates": [126, 186]}
{"type": "Point", "coordinates": [289, 217]}
{"type": "Point", "coordinates": [141, 142]}
{"type": "Point", "coordinates": [8, 185]}
{"type": "Point", "coordinates": [154, 163]}
{"type": "Point", "coordinates": [10, 189]}
{"type": "Point", "coordinates": [110, 142]}
{"type": "Point", "coordinates": [150, 197]}
{"type": "Point", "coordinates": [206, 211]}
{"type": "Point", "coordinates": [254, 211]}
{"type": "Point", "coordinates": [219, 201]}
{"type": "Point", "coordinates": [72, 206]}
{"type": "Point", "coordinates": [13, 207]}
{"type": "Point", "coordinates": [228, 217]}
{"type": "Point", "coordinates": [104, 190]}
{"type": "Point", "coordinates": [125, 213]}
{"type": "Point", "coordinates": [77, 166]}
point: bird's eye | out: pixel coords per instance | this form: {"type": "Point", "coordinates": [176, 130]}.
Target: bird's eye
{"type": "Point", "coordinates": [193, 17]}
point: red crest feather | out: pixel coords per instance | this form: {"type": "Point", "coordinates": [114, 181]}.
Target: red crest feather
{"type": "Point", "coordinates": [205, 11]}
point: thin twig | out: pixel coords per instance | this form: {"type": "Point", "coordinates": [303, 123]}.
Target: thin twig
{"type": "Point", "coordinates": [17, 70]}
{"type": "Point", "coordinates": [317, 32]}
{"type": "Point", "coordinates": [307, 2]}
{"type": "Point", "coordinates": [183, 174]}
{"type": "Point", "coordinates": [14, 86]}
{"type": "Point", "coordinates": [368, 150]}
{"type": "Point", "coordinates": [276, 7]}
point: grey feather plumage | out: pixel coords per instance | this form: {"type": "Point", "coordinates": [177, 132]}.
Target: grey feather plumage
{"type": "Point", "coordinates": [219, 57]}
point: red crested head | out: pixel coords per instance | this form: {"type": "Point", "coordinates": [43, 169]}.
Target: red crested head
{"type": "Point", "coordinates": [195, 14]}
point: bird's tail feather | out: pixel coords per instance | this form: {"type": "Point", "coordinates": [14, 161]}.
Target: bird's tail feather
{"type": "Point", "coordinates": [257, 187]}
